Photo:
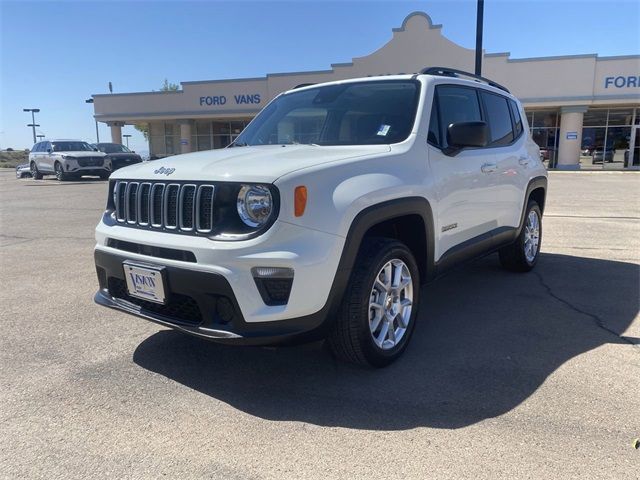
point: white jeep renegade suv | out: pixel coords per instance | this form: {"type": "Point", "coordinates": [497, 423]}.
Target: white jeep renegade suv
{"type": "Point", "coordinates": [327, 214]}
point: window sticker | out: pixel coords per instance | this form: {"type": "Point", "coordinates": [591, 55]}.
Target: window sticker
{"type": "Point", "coordinates": [383, 130]}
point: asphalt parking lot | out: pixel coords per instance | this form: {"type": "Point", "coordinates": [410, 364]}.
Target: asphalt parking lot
{"type": "Point", "coordinates": [508, 375]}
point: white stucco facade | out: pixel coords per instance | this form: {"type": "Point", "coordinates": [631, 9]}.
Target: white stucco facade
{"type": "Point", "coordinates": [562, 95]}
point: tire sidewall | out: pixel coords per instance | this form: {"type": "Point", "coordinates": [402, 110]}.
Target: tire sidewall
{"type": "Point", "coordinates": [374, 354]}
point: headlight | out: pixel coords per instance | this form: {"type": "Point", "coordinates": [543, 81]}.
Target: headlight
{"type": "Point", "coordinates": [68, 157]}
{"type": "Point", "coordinates": [255, 205]}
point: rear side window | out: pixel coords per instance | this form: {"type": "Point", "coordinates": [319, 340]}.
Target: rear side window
{"type": "Point", "coordinates": [517, 120]}
{"type": "Point", "coordinates": [456, 104]}
{"type": "Point", "coordinates": [498, 118]}
{"type": "Point", "coordinates": [35, 148]}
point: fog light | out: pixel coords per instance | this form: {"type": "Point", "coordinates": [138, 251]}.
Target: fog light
{"type": "Point", "coordinates": [274, 284]}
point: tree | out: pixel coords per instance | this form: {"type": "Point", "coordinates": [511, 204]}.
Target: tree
{"type": "Point", "coordinates": [167, 86]}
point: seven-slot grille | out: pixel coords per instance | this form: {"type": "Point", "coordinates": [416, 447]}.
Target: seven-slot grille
{"type": "Point", "coordinates": [182, 207]}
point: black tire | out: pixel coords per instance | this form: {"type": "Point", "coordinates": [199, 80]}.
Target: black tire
{"type": "Point", "coordinates": [61, 175]}
{"type": "Point", "coordinates": [350, 338]}
{"type": "Point", "coordinates": [105, 175]}
{"type": "Point", "coordinates": [35, 173]}
{"type": "Point", "coordinates": [513, 257]}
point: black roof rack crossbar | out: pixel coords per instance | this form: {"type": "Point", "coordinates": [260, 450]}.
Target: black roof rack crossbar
{"type": "Point", "coordinates": [452, 72]}
{"type": "Point", "coordinates": [302, 85]}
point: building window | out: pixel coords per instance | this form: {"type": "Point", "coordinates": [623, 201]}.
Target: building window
{"type": "Point", "coordinates": [606, 137]}
{"type": "Point", "coordinates": [545, 132]}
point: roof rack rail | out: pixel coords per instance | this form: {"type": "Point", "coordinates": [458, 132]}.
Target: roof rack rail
{"type": "Point", "coordinates": [302, 85]}
{"type": "Point", "coordinates": [452, 72]}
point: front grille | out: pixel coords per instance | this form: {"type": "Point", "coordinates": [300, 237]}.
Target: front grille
{"type": "Point", "coordinates": [181, 308]}
{"type": "Point", "coordinates": [91, 161]}
{"type": "Point", "coordinates": [173, 206]}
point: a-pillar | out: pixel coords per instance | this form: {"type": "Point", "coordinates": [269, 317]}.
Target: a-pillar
{"type": "Point", "coordinates": [185, 135]}
{"type": "Point", "coordinates": [116, 131]}
{"type": "Point", "coordinates": [571, 118]}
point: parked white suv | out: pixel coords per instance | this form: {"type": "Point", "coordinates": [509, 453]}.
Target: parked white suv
{"type": "Point", "coordinates": [327, 214]}
{"type": "Point", "coordinates": [67, 159]}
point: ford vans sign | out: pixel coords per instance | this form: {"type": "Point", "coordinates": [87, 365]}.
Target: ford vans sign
{"type": "Point", "coordinates": [244, 99]}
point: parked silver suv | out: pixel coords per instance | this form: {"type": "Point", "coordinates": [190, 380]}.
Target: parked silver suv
{"type": "Point", "coordinates": [67, 159]}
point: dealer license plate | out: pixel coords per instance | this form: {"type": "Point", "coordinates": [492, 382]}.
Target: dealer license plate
{"type": "Point", "coordinates": [145, 282]}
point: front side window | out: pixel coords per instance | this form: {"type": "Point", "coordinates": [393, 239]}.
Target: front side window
{"type": "Point", "coordinates": [456, 104]}
{"type": "Point", "coordinates": [72, 147]}
{"type": "Point", "coordinates": [498, 118]}
{"type": "Point", "coordinates": [362, 113]}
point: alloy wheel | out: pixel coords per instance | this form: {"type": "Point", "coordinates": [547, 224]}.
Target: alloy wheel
{"type": "Point", "coordinates": [390, 304]}
{"type": "Point", "coordinates": [531, 236]}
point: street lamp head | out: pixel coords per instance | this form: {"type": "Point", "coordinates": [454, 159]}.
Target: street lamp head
{"type": "Point", "coordinates": [90, 100]}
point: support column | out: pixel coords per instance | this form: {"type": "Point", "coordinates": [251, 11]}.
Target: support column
{"type": "Point", "coordinates": [185, 135]}
{"type": "Point", "coordinates": [570, 137]}
{"type": "Point", "coordinates": [116, 131]}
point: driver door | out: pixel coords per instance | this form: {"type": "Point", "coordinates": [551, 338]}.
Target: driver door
{"type": "Point", "coordinates": [464, 191]}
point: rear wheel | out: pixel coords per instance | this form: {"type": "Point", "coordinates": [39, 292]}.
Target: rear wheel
{"type": "Point", "coordinates": [34, 171]}
{"type": "Point", "coordinates": [60, 173]}
{"type": "Point", "coordinates": [522, 255]}
{"type": "Point", "coordinates": [377, 315]}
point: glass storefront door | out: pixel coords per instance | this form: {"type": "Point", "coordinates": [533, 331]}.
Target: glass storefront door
{"type": "Point", "coordinates": [632, 155]}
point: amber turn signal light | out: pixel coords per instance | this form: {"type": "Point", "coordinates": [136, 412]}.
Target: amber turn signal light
{"type": "Point", "coordinates": [300, 203]}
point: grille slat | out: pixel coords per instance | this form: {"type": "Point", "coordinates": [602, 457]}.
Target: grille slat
{"type": "Point", "coordinates": [174, 206]}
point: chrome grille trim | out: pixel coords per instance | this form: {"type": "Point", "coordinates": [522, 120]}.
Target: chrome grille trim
{"type": "Point", "coordinates": [167, 208]}
{"type": "Point", "coordinates": [180, 207]}
{"type": "Point", "coordinates": [200, 197]}
{"type": "Point", "coordinates": [144, 207]}
{"type": "Point", "coordinates": [184, 209]}
{"type": "Point", "coordinates": [156, 204]}
{"type": "Point", "coordinates": [131, 203]}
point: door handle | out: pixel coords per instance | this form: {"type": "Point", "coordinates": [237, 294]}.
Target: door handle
{"type": "Point", "coordinates": [489, 167]}
{"type": "Point", "coordinates": [524, 160]}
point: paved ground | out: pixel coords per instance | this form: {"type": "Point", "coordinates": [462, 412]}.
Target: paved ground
{"type": "Point", "coordinates": [508, 376]}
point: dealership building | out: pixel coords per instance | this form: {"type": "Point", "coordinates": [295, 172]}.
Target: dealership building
{"type": "Point", "coordinates": [583, 110]}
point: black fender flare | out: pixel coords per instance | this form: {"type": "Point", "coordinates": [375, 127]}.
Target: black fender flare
{"type": "Point", "coordinates": [534, 184]}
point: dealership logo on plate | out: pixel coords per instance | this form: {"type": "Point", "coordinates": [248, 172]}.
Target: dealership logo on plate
{"type": "Point", "coordinates": [164, 171]}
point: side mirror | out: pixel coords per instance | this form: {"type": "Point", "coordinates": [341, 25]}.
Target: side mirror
{"type": "Point", "coordinates": [466, 134]}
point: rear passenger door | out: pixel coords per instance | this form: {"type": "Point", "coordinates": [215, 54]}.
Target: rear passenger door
{"type": "Point", "coordinates": [465, 193]}
{"type": "Point", "coordinates": [506, 153]}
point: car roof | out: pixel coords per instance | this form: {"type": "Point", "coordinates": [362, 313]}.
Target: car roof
{"type": "Point", "coordinates": [405, 76]}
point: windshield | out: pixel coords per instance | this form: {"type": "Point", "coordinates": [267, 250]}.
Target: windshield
{"type": "Point", "coordinates": [72, 147]}
{"type": "Point", "coordinates": [364, 113]}
{"type": "Point", "coordinates": [113, 148]}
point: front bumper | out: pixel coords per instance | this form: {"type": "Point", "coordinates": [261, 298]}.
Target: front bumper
{"type": "Point", "coordinates": [201, 304]}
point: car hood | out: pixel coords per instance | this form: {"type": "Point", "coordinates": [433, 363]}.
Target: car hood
{"type": "Point", "coordinates": [81, 154]}
{"type": "Point", "coordinates": [122, 155]}
{"type": "Point", "coordinates": [262, 164]}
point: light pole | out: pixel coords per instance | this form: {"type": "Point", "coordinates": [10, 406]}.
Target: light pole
{"type": "Point", "coordinates": [90, 100]}
{"type": "Point", "coordinates": [127, 137]}
{"type": "Point", "coordinates": [479, 23]}
{"type": "Point", "coordinates": [33, 124]}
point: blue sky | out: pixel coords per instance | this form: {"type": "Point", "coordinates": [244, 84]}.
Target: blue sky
{"type": "Point", "coordinates": [55, 54]}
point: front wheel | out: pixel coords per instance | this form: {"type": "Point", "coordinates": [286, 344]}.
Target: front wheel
{"type": "Point", "coordinates": [61, 176]}
{"type": "Point", "coordinates": [522, 255]}
{"type": "Point", "coordinates": [34, 171]}
{"type": "Point", "coordinates": [379, 308]}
